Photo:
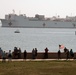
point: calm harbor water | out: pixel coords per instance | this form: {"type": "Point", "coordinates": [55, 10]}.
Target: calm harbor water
{"type": "Point", "coordinates": [39, 38]}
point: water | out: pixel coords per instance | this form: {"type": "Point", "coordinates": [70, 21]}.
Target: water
{"type": "Point", "coordinates": [40, 38]}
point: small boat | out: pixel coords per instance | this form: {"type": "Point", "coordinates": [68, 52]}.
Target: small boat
{"type": "Point", "coordinates": [17, 31]}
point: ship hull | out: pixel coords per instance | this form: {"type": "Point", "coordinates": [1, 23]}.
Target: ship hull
{"type": "Point", "coordinates": [37, 24]}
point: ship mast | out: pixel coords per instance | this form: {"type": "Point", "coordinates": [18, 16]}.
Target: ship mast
{"type": "Point", "coordinates": [13, 11]}
{"type": "Point", "coordinates": [19, 12]}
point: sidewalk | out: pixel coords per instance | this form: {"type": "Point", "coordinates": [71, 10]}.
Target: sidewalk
{"type": "Point", "coordinates": [38, 59]}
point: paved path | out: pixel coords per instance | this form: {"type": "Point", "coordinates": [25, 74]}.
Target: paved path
{"type": "Point", "coordinates": [37, 59]}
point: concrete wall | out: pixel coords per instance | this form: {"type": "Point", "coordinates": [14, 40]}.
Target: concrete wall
{"type": "Point", "coordinates": [50, 56]}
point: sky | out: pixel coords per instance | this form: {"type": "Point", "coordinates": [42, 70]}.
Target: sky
{"type": "Point", "coordinates": [48, 8]}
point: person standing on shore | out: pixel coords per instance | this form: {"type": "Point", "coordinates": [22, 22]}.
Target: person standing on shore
{"type": "Point", "coordinates": [4, 56]}
{"type": "Point", "coordinates": [71, 53]}
{"type": "Point", "coordinates": [35, 53]}
{"type": "Point", "coordinates": [19, 53]}
{"type": "Point", "coordinates": [59, 54]}
{"type": "Point", "coordinates": [66, 51]}
{"type": "Point", "coordinates": [1, 51]}
{"type": "Point", "coordinates": [46, 53]}
{"type": "Point", "coordinates": [25, 54]}
{"type": "Point", "coordinates": [9, 56]}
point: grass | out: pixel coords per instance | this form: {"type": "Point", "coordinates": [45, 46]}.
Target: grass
{"type": "Point", "coordinates": [38, 68]}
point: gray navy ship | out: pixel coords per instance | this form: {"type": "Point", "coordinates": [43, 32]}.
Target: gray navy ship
{"type": "Point", "coordinates": [39, 21]}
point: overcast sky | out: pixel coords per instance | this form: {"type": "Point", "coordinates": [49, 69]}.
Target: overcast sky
{"type": "Point", "coordinates": [48, 8]}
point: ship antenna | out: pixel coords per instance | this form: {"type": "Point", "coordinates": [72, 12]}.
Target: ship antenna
{"type": "Point", "coordinates": [13, 11]}
{"type": "Point", "coordinates": [19, 12]}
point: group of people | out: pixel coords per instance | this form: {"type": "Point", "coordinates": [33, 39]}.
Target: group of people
{"type": "Point", "coordinates": [3, 55]}
{"type": "Point", "coordinates": [67, 53]}
{"type": "Point", "coordinates": [17, 54]}
{"type": "Point", "coordinates": [34, 53]}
